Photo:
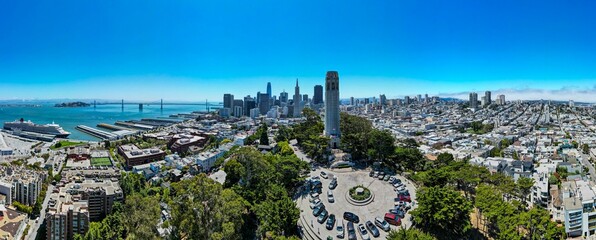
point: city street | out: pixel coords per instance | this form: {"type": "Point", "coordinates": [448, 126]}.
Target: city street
{"type": "Point", "coordinates": [35, 225]}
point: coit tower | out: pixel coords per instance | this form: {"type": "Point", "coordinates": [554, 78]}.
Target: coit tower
{"type": "Point", "coordinates": [332, 108]}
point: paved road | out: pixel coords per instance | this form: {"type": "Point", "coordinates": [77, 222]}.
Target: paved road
{"type": "Point", "coordinates": [300, 154]}
{"type": "Point", "coordinates": [35, 226]}
{"type": "Point", "coordinates": [383, 201]}
{"type": "Point", "coordinates": [585, 160]}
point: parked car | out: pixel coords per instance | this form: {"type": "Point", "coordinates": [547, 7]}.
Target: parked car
{"type": "Point", "coordinates": [349, 216]}
{"type": "Point", "coordinates": [363, 232]}
{"type": "Point", "coordinates": [315, 203]}
{"type": "Point", "coordinates": [330, 196]}
{"type": "Point", "coordinates": [318, 210]}
{"type": "Point", "coordinates": [397, 211]}
{"type": "Point", "coordinates": [381, 176]}
{"type": "Point", "coordinates": [404, 192]}
{"type": "Point", "coordinates": [376, 174]}
{"type": "Point", "coordinates": [405, 198]}
{"type": "Point", "coordinates": [323, 216]}
{"type": "Point", "coordinates": [372, 228]}
{"type": "Point", "coordinates": [339, 227]}
{"type": "Point", "coordinates": [396, 185]}
{"type": "Point", "coordinates": [324, 175]}
{"type": "Point", "coordinates": [351, 231]}
{"type": "Point", "coordinates": [386, 178]}
{"type": "Point", "coordinates": [313, 196]}
{"type": "Point", "coordinates": [392, 219]}
{"type": "Point", "coordinates": [382, 224]}
{"type": "Point", "coordinates": [315, 178]}
{"type": "Point", "coordinates": [330, 222]}
{"type": "Point", "coordinates": [372, 173]}
{"type": "Point", "coordinates": [333, 184]}
{"type": "Point", "coordinates": [392, 179]}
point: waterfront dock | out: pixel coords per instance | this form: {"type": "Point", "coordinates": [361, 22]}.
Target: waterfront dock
{"type": "Point", "coordinates": [113, 127]}
{"type": "Point", "coordinates": [134, 125]}
{"type": "Point", "coordinates": [97, 133]}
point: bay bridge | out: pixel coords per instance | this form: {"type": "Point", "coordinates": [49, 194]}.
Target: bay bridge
{"type": "Point", "coordinates": [161, 103]}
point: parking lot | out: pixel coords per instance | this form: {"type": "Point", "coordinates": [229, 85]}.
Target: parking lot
{"type": "Point", "coordinates": [384, 195]}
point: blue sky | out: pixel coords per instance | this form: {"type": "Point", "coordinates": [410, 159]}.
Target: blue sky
{"type": "Point", "coordinates": [196, 50]}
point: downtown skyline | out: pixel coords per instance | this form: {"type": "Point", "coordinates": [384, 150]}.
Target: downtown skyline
{"type": "Point", "coordinates": [189, 52]}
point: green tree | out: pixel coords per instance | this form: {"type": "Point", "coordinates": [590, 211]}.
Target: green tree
{"type": "Point", "coordinates": [277, 216]}
{"type": "Point", "coordinates": [444, 159]}
{"type": "Point", "coordinates": [141, 216]}
{"type": "Point", "coordinates": [442, 211]}
{"type": "Point", "coordinates": [408, 158]}
{"type": "Point", "coordinates": [538, 225]}
{"type": "Point", "coordinates": [284, 134]}
{"type": "Point", "coordinates": [476, 126]}
{"type": "Point", "coordinates": [524, 188]}
{"type": "Point", "coordinates": [284, 149]}
{"type": "Point", "coordinates": [131, 183]}
{"type": "Point", "coordinates": [264, 136]}
{"type": "Point", "coordinates": [585, 148]}
{"type": "Point", "coordinates": [355, 135]}
{"type": "Point", "coordinates": [381, 145]}
{"type": "Point", "coordinates": [409, 234]}
{"type": "Point", "coordinates": [202, 209]}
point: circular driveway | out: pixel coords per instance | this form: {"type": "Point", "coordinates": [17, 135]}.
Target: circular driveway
{"type": "Point", "coordinates": [346, 178]}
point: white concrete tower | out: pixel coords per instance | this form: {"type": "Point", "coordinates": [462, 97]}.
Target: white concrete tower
{"type": "Point", "coordinates": [332, 108]}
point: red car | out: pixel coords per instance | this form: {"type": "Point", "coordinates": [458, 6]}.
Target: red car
{"type": "Point", "coordinates": [392, 219]}
{"type": "Point", "coordinates": [405, 198]}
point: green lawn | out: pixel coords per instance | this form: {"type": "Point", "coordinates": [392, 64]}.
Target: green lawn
{"type": "Point", "coordinates": [65, 143]}
{"type": "Point", "coordinates": [101, 162]}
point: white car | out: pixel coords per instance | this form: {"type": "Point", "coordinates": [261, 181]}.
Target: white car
{"type": "Point", "coordinates": [313, 197]}
{"type": "Point", "coordinates": [330, 197]}
{"type": "Point", "coordinates": [315, 203]}
{"type": "Point", "coordinates": [363, 232]}
{"type": "Point", "coordinates": [400, 188]}
{"type": "Point", "coordinates": [324, 175]}
{"type": "Point", "coordinates": [340, 229]}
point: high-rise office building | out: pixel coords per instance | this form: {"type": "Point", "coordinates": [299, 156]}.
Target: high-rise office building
{"type": "Point", "coordinates": [305, 98]}
{"type": "Point", "coordinates": [483, 101]}
{"type": "Point", "coordinates": [407, 100]}
{"type": "Point", "coordinates": [473, 100]}
{"type": "Point", "coordinates": [488, 99]}
{"type": "Point", "coordinates": [228, 100]}
{"type": "Point", "coordinates": [501, 99]}
{"type": "Point", "coordinates": [318, 97]}
{"type": "Point", "coordinates": [332, 108]}
{"type": "Point", "coordinates": [237, 103]}
{"type": "Point", "coordinates": [383, 99]}
{"type": "Point", "coordinates": [283, 97]}
{"type": "Point", "coordinates": [258, 98]}
{"type": "Point", "coordinates": [352, 101]}
{"type": "Point", "coordinates": [419, 98]}
{"type": "Point", "coordinates": [297, 102]}
{"type": "Point", "coordinates": [426, 98]}
{"type": "Point", "coordinates": [269, 90]}
{"type": "Point", "coordinates": [249, 103]}
{"type": "Point", "coordinates": [264, 103]}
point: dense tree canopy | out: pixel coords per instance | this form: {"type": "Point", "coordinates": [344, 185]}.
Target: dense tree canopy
{"type": "Point", "coordinates": [202, 209]}
{"type": "Point", "coordinates": [409, 234]}
{"type": "Point", "coordinates": [309, 136]}
{"type": "Point", "coordinates": [442, 211]}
